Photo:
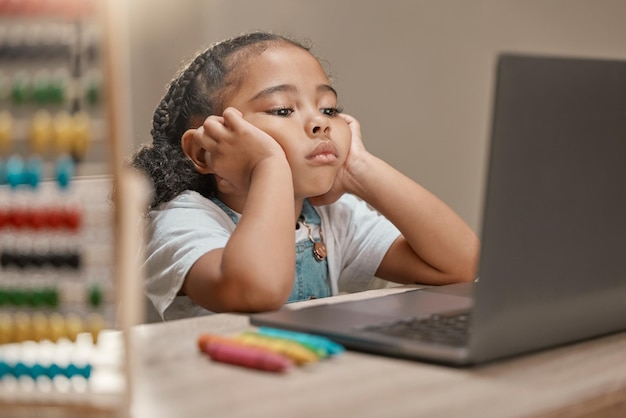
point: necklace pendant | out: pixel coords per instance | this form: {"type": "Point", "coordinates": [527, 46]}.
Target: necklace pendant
{"type": "Point", "coordinates": [319, 251]}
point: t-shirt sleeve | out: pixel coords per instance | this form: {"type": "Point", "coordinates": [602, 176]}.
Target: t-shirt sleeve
{"type": "Point", "coordinates": [179, 233]}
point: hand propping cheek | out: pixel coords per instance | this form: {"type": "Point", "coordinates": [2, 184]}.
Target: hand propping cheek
{"type": "Point", "coordinates": [356, 144]}
{"type": "Point", "coordinates": [233, 147]}
{"type": "Point", "coordinates": [345, 179]}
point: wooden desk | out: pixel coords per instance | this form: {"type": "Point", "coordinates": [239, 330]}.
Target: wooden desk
{"type": "Point", "coordinates": [172, 379]}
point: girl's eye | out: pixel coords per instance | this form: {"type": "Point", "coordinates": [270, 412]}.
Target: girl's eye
{"type": "Point", "coordinates": [282, 111]}
{"type": "Point", "coordinates": [331, 111]}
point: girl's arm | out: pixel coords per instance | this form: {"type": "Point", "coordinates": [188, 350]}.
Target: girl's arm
{"type": "Point", "coordinates": [256, 268]}
{"type": "Point", "coordinates": [436, 246]}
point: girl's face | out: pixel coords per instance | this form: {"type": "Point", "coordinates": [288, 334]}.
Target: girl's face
{"type": "Point", "coordinates": [285, 92]}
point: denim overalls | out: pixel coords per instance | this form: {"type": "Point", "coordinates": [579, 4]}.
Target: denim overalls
{"type": "Point", "coordinates": [311, 279]}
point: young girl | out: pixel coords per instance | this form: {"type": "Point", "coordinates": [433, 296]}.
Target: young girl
{"type": "Point", "coordinates": [251, 151]}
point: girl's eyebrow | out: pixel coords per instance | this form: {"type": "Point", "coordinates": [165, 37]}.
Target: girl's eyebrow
{"type": "Point", "coordinates": [289, 88]}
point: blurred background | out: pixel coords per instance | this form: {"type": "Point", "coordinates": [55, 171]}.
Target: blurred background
{"type": "Point", "coordinates": [418, 74]}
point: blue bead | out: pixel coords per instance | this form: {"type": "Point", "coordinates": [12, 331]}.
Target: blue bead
{"type": "Point", "coordinates": [20, 369]}
{"type": "Point", "coordinates": [5, 369]}
{"type": "Point", "coordinates": [37, 370]}
{"type": "Point", "coordinates": [71, 370]}
{"type": "Point", "coordinates": [85, 371]}
{"type": "Point", "coordinates": [53, 370]}
{"type": "Point", "coordinates": [15, 171]}
{"type": "Point", "coordinates": [64, 171]}
{"type": "Point", "coordinates": [33, 171]}
{"type": "Point", "coordinates": [3, 173]}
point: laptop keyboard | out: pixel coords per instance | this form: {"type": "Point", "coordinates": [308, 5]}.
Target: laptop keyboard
{"type": "Point", "coordinates": [452, 330]}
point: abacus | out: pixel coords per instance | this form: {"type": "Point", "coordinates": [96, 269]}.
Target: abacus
{"type": "Point", "coordinates": [59, 306]}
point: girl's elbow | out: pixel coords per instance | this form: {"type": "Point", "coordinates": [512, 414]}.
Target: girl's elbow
{"type": "Point", "coordinates": [469, 269]}
{"type": "Point", "coordinates": [268, 294]}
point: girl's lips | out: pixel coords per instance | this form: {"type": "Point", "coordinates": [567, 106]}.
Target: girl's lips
{"type": "Point", "coordinates": [325, 151]}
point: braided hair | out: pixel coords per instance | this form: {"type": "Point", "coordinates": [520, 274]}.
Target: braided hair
{"type": "Point", "coordinates": [194, 94]}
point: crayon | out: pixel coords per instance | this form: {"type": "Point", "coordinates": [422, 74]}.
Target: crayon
{"type": "Point", "coordinates": [247, 356]}
{"type": "Point", "coordinates": [331, 347]}
{"type": "Point", "coordinates": [291, 349]}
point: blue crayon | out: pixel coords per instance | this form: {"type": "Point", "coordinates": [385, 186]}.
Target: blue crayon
{"type": "Point", "coordinates": [331, 347]}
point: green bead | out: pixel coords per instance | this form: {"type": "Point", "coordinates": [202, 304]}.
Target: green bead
{"type": "Point", "coordinates": [40, 92]}
{"type": "Point", "coordinates": [95, 296]}
{"type": "Point", "coordinates": [51, 297]}
{"type": "Point", "coordinates": [20, 91]}
{"type": "Point", "coordinates": [38, 298]}
{"type": "Point", "coordinates": [17, 297]}
{"type": "Point", "coordinates": [57, 92]}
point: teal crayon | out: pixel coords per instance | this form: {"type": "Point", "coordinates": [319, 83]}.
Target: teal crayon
{"type": "Point", "coordinates": [330, 347]}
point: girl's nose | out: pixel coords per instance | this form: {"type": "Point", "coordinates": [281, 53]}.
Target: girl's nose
{"type": "Point", "coordinates": [318, 125]}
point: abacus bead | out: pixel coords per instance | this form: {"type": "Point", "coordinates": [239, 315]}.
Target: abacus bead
{"type": "Point", "coordinates": [57, 327]}
{"type": "Point", "coordinates": [40, 132]}
{"type": "Point", "coordinates": [64, 171]}
{"type": "Point", "coordinates": [33, 171]}
{"type": "Point", "coordinates": [20, 92]}
{"type": "Point", "coordinates": [5, 369]}
{"type": "Point", "coordinates": [51, 297]}
{"type": "Point", "coordinates": [70, 370]}
{"type": "Point", "coordinates": [15, 171]}
{"type": "Point", "coordinates": [63, 133]}
{"type": "Point", "coordinates": [6, 131]}
{"type": "Point", "coordinates": [72, 219]}
{"type": "Point", "coordinates": [95, 296]}
{"type": "Point", "coordinates": [84, 371]}
{"type": "Point", "coordinates": [41, 94]}
{"type": "Point", "coordinates": [95, 325]}
{"type": "Point", "coordinates": [3, 173]}
{"type": "Point", "coordinates": [40, 326]}
{"type": "Point", "coordinates": [38, 219]}
{"type": "Point", "coordinates": [57, 91]}
{"type": "Point", "coordinates": [20, 369]}
{"type": "Point", "coordinates": [74, 326]}
{"type": "Point", "coordinates": [6, 328]}
{"type": "Point", "coordinates": [93, 94]}
{"type": "Point", "coordinates": [82, 135]}
{"type": "Point", "coordinates": [53, 370]}
{"type": "Point", "coordinates": [37, 370]}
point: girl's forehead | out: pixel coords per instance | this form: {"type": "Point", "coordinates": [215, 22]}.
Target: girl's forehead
{"type": "Point", "coordinates": [283, 60]}
{"type": "Point", "coordinates": [282, 54]}
{"type": "Point", "coordinates": [272, 69]}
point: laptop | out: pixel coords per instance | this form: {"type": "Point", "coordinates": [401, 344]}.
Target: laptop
{"type": "Point", "coordinates": [553, 258]}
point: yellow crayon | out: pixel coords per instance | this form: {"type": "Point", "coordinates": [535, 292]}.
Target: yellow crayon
{"type": "Point", "coordinates": [293, 350]}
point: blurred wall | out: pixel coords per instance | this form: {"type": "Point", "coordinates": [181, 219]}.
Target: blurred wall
{"type": "Point", "coordinates": [418, 74]}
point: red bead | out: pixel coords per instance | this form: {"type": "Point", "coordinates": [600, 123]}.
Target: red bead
{"type": "Point", "coordinates": [72, 219]}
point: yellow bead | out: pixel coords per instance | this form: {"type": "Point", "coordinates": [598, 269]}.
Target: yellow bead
{"type": "Point", "coordinates": [23, 327]}
{"type": "Point", "coordinates": [81, 135]}
{"type": "Point", "coordinates": [57, 326]}
{"type": "Point", "coordinates": [63, 133]}
{"type": "Point", "coordinates": [41, 132]}
{"type": "Point", "coordinates": [40, 328]}
{"type": "Point", "coordinates": [95, 324]}
{"type": "Point", "coordinates": [6, 329]}
{"type": "Point", "coordinates": [6, 131]}
{"type": "Point", "coordinates": [74, 326]}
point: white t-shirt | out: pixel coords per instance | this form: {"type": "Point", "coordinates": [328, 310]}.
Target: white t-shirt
{"type": "Point", "coordinates": [190, 225]}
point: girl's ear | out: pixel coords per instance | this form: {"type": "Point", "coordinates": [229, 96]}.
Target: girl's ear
{"type": "Point", "coordinates": [194, 151]}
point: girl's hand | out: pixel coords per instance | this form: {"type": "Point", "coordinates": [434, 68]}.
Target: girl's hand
{"type": "Point", "coordinates": [346, 180]}
{"type": "Point", "coordinates": [233, 148]}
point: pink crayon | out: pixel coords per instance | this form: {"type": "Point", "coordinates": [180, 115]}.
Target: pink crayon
{"type": "Point", "coordinates": [245, 356]}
